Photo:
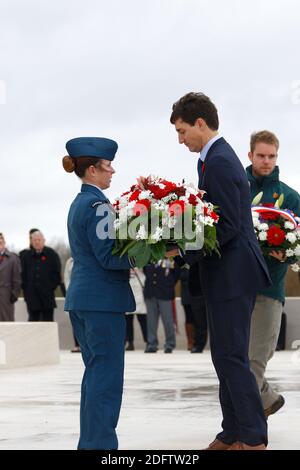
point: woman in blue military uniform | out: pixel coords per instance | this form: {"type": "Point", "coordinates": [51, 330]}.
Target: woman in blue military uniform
{"type": "Point", "coordinates": [99, 292]}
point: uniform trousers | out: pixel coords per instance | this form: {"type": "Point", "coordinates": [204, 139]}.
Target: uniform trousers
{"type": "Point", "coordinates": [101, 336]}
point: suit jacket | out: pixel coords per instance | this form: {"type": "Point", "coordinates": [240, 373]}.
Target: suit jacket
{"type": "Point", "coordinates": [241, 268]}
{"type": "Point", "coordinates": [99, 280]}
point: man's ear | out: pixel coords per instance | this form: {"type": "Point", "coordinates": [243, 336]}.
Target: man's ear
{"type": "Point", "coordinates": [250, 156]}
{"type": "Point", "coordinates": [200, 123]}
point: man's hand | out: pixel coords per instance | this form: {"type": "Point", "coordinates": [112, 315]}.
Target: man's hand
{"type": "Point", "coordinates": [172, 253]}
{"type": "Point", "coordinates": [279, 255]}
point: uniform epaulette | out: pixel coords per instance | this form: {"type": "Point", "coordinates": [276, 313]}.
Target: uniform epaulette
{"type": "Point", "coordinates": [99, 203]}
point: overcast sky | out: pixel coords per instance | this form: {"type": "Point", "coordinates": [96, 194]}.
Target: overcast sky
{"type": "Point", "coordinates": [113, 68]}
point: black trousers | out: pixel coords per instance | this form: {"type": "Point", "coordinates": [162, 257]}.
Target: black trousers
{"type": "Point", "coordinates": [41, 315]}
{"type": "Point", "coordinates": [197, 315]}
{"type": "Point", "coordinates": [243, 414]}
{"type": "Point", "coordinates": [142, 319]}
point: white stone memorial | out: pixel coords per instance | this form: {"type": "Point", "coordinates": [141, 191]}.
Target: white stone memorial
{"type": "Point", "coordinates": [24, 344]}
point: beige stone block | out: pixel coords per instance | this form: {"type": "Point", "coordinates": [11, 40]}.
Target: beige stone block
{"type": "Point", "coordinates": [28, 344]}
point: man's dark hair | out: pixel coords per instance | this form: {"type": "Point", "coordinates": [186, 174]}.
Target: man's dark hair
{"type": "Point", "coordinates": [193, 106]}
{"type": "Point", "coordinates": [32, 230]}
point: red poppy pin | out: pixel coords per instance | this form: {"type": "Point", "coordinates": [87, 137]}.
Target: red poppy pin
{"type": "Point", "coordinates": [43, 258]}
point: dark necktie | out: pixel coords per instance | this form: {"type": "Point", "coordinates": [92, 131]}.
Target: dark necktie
{"type": "Point", "coordinates": [200, 169]}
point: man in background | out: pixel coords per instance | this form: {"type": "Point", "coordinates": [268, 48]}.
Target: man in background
{"type": "Point", "coordinates": [263, 176]}
{"type": "Point", "coordinates": [41, 274]}
{"type": "Point", "coordinates": [10, 281]}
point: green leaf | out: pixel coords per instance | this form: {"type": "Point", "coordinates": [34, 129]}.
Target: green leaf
{"type": "Point", "coordinates": [257, 199]}
{"type": "Point", "coordinates": [143, 257]}
{"type": "Point", "coordinates": [158, 250]}
{"type": "Point", "coordinates": [279, 201]}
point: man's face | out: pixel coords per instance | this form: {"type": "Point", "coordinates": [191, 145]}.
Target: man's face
{"type": "Point", "coordinates": [263, 159]}
{"type": "Point", "coordinates": [191, 136]}
{"type": "Point", "coordinates": [38, 242]}
{"type": "Point", "coordinates": [2, 244]}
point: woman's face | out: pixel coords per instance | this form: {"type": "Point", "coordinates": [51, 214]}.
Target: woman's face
{"type": "Point", "coordinates": [103, 174]}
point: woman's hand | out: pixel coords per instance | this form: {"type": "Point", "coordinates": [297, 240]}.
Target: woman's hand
{"type": "Point", "coordinates": [279, 255]}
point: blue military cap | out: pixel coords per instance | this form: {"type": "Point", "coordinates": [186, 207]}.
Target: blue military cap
{"type": "Point", "coordinates": [98, 147]}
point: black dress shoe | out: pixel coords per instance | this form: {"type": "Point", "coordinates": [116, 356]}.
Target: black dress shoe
{"type": "Point", "coordinates": [150, 350]}
{"type": "Point", "coordinates": [275, 406]}
{"type": "Point", "coordinates": [168, 350]}
{"type": "Point", "coordinates": [196, 350]}
{"type": "Point", "coordinates": [130, 346]}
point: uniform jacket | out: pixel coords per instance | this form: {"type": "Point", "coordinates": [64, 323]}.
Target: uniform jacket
{"type": "Point", "coordinates": [10, 284]}
{"type": "Point", "coordinates": [272, 188]}
{"type": "Point", "coordinates": [160, 282]}
{"type": "Point", "coordinates": [99, 280]}
{"type": "Point", "coordinates": [41, 274]}
{"type": "Point", "coordinates": [241, 268]}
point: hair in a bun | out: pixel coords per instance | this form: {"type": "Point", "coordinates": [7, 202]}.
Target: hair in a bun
{"type": "Point", "coordinates": [68, 164]}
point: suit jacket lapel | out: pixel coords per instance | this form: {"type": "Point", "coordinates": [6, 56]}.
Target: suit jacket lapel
{"type": "Point", "coordinates": [221, 140]}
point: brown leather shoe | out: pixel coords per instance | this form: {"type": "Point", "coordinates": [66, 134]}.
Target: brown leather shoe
{"type": "Point", "coordinates": [275, 406]}
{"type": "Point", "coordinates": [217, 445]}
{"type": "Point", "coordinates": [242, 446]}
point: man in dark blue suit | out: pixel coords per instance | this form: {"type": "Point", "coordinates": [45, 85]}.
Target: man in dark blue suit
{"type": "Point", "coordinates": [230, 282]}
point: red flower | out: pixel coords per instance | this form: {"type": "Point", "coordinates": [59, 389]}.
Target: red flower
{"type": "Point", "coordinates": [142, 207]}
{"type": "Point", "coordinates": [176, 208]}
{"type": "Point", "coordinates": [134, 196]}
{"type": "Point", "coordinates": [214, 216]}
{"type": "Point", "coordinates": [193, 200]}
{"type": "Point", "coordinates": [275, 236]}
{"type": "Point", "coordinates": [43, 258]}
{"type": "Point", "coordinates": [269, 216]}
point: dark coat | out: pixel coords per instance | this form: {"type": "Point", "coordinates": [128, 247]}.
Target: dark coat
{"type": "Point", "coordinates": [10, 284]}
{"type": "Point", "coordinates": [241, 268]}
{"type": "Point", "coordinates": [272, 188]}
{"type": "Point", "coordinates": [41, 274]}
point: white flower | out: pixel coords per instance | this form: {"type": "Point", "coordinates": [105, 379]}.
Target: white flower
{"type": "Point", "coordinates": [117, 223]}
{"type": "Point", "coordinates": [157, 235]}
{"type": "Point", "coordinates": [262, 236]}
{"type": "Point", "coordinates": [263, 227]}
{"type": "Point", "coordinates": [191, 189]}
{"type": "Point", "coordinates": [172, 222]}
{"type": "Point", "coordinates": [256, 222]}
{"type": "Point", "coordinates": [295, 267]}
{"type": "Point", "coordinates": [199, 207]}
{"type": "Point", "coordinates": [289, 252]}
{"type": "Point", "coordinates": [169, 197]}
{"type": "Point", "coordinates": [208, 221]}
{"type": "Point", "coordinates": [159, 205]}
{"type": "Point", "coordinates": [291, 237]}
{"type": "Point", "coordinates": [198, 226]}
{"type": "Point", "coordinates": [141, 234]}
{"type": "Point", "coordinates": [145, 194]}
{"type": "Point", "coordinates": [289, 225]}
{"type": "Point", "coordinates": [297, 250]}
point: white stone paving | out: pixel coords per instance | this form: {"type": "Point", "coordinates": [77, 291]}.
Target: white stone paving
{"type": "Point", "coordinates": [170, 402]}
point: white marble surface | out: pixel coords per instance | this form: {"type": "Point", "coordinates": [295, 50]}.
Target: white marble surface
{"type": "Point", "coordinates": [28, 344]}
{"type": "Point", "coordinates": [170, 402]}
